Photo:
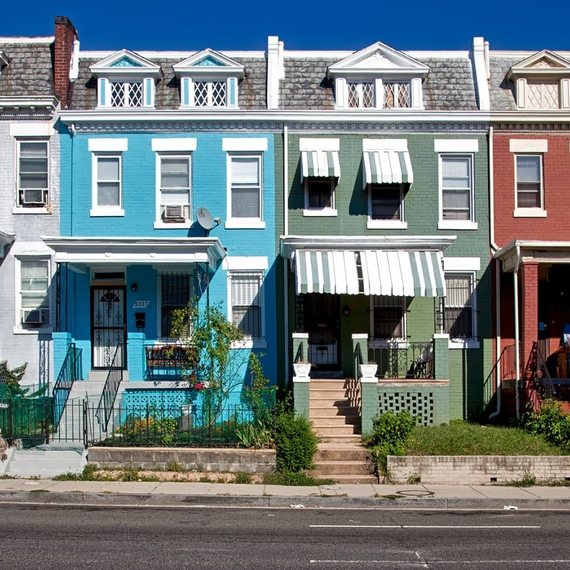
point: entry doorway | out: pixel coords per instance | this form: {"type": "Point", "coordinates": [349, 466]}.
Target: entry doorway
{"type": "Point", "coordinates": [108, 326]}
{"type": "Point", "coordinates": [321, 313]}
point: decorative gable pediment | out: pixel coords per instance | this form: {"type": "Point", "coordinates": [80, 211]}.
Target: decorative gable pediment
{"type": "Point", "coordinates": [209, 79]}
{"type": "Point", "coordinates": [126, 64]}
{"type": "Point", "coordinates": [378, 77]}
{"type": "Point", "coordinates": [542, 81]}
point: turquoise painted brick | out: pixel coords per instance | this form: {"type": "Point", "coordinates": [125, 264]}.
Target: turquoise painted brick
{"type": "Point", "coordinates": [136, 356]}
{"type": "Point", "coordinates": [61, 342]}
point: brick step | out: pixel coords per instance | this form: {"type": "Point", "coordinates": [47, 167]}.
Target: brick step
{"type": "Point", "coordinates": [350, 479]}
{"type": "Point", "coordinates": [328, 430]}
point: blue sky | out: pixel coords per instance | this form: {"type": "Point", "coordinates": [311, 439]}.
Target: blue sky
{"type": "Point", "coordinates": [245, 24]}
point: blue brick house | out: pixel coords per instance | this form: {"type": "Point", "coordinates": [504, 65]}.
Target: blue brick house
{"type": "Point", "coordinates": [167, 198]}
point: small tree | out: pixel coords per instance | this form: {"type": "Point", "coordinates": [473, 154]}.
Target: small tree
{"type": "Point", "coordinates": [10, 381]}
{"type": "Point", "coordinates": [216, 360]}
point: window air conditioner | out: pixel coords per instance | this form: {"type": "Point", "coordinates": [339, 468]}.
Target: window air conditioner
{"type": "Point", "coordinates": [175, 212]}
{"type": "Point", "coordinates": [34, 317]}
{"type": "Point", "coordinates": [34, 197]}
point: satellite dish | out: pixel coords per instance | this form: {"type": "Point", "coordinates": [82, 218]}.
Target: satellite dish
{"type": "Point", "coordinates": [205, 219]}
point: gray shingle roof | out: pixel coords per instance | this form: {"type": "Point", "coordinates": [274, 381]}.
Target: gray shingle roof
{"type": "Point", "coordinates": [251, 89]}
{"type": "Point", "coordinates": [29, 71]}
{"type": "Point", "coordinates": [502, 91]}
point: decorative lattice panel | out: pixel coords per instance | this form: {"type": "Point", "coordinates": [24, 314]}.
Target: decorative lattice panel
{"type": "Point", "coordinates": [542, 95]}
{"type": "Point", "coordinates": [419, 404]}
{"type": "Point", "coordinates": [160, 398]}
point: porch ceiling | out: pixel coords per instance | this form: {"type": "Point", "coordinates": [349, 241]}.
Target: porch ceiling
{"type": "Point", "coordinates": [519, 251]}
{"type": "Point", "coordinates": [135, 250]}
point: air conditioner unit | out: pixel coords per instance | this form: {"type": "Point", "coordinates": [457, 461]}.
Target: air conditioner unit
{"type": "Point", "coordinates": [175, 212]}
{"type": "Point", "coordinates": [34, 197]}
{"type": "Point", "coordinates": [35, 317]}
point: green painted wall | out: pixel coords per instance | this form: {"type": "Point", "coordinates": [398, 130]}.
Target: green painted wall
{"type": "Point", "coordinates": [469, 389]}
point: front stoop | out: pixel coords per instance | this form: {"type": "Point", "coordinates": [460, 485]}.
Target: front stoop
{"type": "Point", "coordinates": [340, 455]}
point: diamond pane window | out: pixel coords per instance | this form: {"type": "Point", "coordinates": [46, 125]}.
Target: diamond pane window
{"type": "Point", "coordinates": [360, 95]}
{"type": "Point", "coordinates": [210, 93]}
{"type": "Point", "coordinates": [126, 94]}
{"type": "Point", "coordinates": [396, 95]}
{"type": "Point", "coordinates": [543, 95]}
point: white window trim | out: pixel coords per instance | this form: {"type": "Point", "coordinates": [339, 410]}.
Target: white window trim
{"type": "Point", "coordinates": [18, 207]}
{"type": "Point", "coordinates": [18, 328]}
{"type": "Point", "coordinates": [400, 224]}
{"type": "Point", "coordinates": [532, 212]}
{"type": "Point", "coordinates": [257, 223]}
{"type": "Point", "coordinates": [472, 342]}
{"type": "Point", "coordinates": [457, 224]}
{"type": "Point", "coordinates": [96, 209]}
{"type": "Point", "coordinates": [415, 90]}
{"type": "Point", "coordinates": [159, 224]}
{"type": "Point", "coordinates": [238, 265]}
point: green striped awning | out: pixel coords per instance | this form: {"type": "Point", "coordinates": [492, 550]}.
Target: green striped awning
{"type": "Point", "coordinates": [321, 163]}
{"type": "Point", "coordinates": [370, 272]}
{"type": "Point", "coordinates": [387, 167]}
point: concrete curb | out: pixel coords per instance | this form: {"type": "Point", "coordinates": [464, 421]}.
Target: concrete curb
{"type": "Point", "coordinates": [268, 501]}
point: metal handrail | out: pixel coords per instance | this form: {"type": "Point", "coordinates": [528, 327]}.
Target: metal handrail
{"type": "Point", "coordinates": [541, 375]}
{"type": "Point", "coordinates": [68, 374]}
{"type": "Point", "coordinates": [110, 390]}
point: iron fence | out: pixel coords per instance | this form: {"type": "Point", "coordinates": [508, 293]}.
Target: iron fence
{"type": "Point", "coordinates": [111, 388]}
{"type": "Point", "coordinates": [402, 359]}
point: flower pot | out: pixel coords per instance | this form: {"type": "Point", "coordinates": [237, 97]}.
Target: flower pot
{"type": "Point", "coordinates": [302, 369]}
{"type": "Point", "coordinates": [368, 370]}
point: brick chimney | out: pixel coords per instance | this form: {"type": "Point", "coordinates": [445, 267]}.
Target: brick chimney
{"type": "Point", "coordinates": [65, 36]}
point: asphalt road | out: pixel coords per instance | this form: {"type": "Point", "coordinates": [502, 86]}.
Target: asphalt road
{"type": "Point", "coordinates": [45, 537]}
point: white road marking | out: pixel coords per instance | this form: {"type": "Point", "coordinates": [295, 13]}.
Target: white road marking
{"type": "Point", "coordinates": [422, 526]}
{"type": "Point", "coordinates": [439, 562]}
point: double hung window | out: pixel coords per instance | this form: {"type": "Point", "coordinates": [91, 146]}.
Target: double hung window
{"type": "Point", "coordinates": [33, 293]}
{"type": "Point", "coordinates": [456, 187]}
{"type": "Point", "coordinates": [245, 180]}
{"type": "Point", "coordinates": [32, 173]}
{"type": "Point", "coordinates": [388, 317]}
{"type": "Point", "coordinates": [529, 181]}
{"type": "Point", "coordinates": [459, 310]}
{"type": "Point", "coordinates": [247, 303]}
{"type": "Point", "coordinates": [174, 188]}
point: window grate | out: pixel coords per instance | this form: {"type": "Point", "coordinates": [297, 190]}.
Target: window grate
{"type": "Point", "coordinates": [246, 303]}
{"type": "Point", "coordinates": [176, 294]}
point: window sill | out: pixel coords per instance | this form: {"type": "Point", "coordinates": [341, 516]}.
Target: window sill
{"type": "Point", "coordinates": [325, 212]}
{"type": "Point", "coordinates": [19, 211]}
{"type": "Point", "coordinates": [173, 226]}
{"type": "Point", "coordinates": [32, 331]}
{"type": "Point", "coordinates": [107, 212]}
{"type": "Point", "coordinates": [255, 344]}
{"type": "Point", "coordinates": [244, 224]}
{"type": "Point", "coordinates": [460, 343]}
{"type": "Point", "coordinates": [386, 225]}
{"type": "Point", "coordinates": [456, 225]}
{"type": "Point", "coordinates": [529, 213]}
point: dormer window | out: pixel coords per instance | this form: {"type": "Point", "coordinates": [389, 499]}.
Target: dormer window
{"type": "Point", "coordinates": [542, 82]}
{"type": "Point", "coordinates": [209, 79]}
{"type": "Point", "coordinates": [378, 77]}
{"type": "Point", "coordinates": [126, 80]}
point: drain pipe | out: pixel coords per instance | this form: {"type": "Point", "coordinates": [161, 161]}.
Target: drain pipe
{"type": "Point", "coordinates": [286, 344]}
{"type": "Point", "coordinates": [517, 336]}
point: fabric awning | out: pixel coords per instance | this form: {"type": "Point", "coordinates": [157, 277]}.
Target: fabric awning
{"type": "Point", "coordinates": [321, 163]}
{"type": "Point", "coordinates": [370, 272]}
{"type": "Point", "coordinates": [387, 167]}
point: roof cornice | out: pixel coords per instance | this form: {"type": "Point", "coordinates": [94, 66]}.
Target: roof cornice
{"type": "Point", "coordinates": [282, 116]}
{"type": "Point", "coordinates": [561, 116]}
{"type": "Point", "coordinates": [27, 102]}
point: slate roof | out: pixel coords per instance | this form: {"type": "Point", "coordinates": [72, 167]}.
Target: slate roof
{"type": "Point", "coordinates": [29, 71]}
{"type": "Point", "coordinates": [502, 91]}
{"type": "Point", "coordinates": [251, 88]}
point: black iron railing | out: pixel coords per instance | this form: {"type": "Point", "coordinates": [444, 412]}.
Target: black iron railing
{"type": "Point", "coordinates": [110, 390]}
{"type": "Point", "coordinates": [537, 374]}
{"type": "Point", "coordinates": [402, 359]}
{"type": "Point", "coordinates": [69, 373]}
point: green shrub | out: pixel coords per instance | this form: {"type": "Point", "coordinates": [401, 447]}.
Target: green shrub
{"type": "Point", "coordinates": [298, 479]}
{"type": "Point", "coordinates": [295, 442]}
{"type": "Point", "coordinates": [550, 422]}
{"type": "Point", "coordinates": [388, 437]}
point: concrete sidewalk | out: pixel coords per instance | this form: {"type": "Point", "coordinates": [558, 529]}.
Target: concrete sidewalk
{"type": "Point", "coordinates": [327, 496]}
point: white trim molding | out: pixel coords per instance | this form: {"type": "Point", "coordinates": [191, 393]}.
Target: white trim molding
{"type": "Point", "coordinates": [528, 145]}
{"type": "Point", "coordinates": [108, 145]}
{"type": "Point", "coordinates": [244, 144]}
{"type": "Point", "coordinates": [174, 145]}
{"type": "Point", "coordinates": [456, 145]}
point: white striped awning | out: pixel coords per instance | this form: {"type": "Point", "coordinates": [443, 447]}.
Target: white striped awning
{"type": "Point", "coordinates": [370, 272]}
{"type": "Point", "coordinates": [321, 163]}
{"type": "Point", "coordinates": [387, 167]}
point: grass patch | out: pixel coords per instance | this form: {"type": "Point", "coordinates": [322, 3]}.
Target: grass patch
{"type": "Point", "coordinates": [242, 478]}
{"type": "Point", "coordinates": [297, 479]}
{"type": "Point", "coordinates": [472, 439]}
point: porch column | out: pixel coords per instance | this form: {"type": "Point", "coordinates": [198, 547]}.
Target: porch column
{"type": "Point", "coordinates": [136, 356]}
{"type": "Point", "coordinates": [359, 341]}
{"type": "Point", "coordinates": [529, 306]}
{"type": "Point", "coordinates": [301, 378]}
{"type": "Point", "coordinates": [441, 356]}
{"type": "Point", "coordinates": [368, 402]}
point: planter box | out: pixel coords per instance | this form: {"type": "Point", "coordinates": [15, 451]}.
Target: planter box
{"type": "Point", "coordinates": [477, 469]}
{"type": "Point", "coordinates": [226, 459]}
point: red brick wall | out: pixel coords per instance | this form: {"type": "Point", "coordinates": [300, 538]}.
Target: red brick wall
{"type": "Point", "coordinates": [556, 177]}
{"type": "Point", "coordinates": [529, 305]}
{"type": "Point", "coordinates": [65, 35]}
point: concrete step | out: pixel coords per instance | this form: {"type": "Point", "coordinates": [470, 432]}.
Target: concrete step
{"type": "Point", "coordinates": [349, 479]}
{"type": "Point", "coordinates": [327, 421]}
{"type": "Point", "coordinates": [344, 438]}
{"type": "Point", "coordinates": [45, 463]}
{"type": "Point", "coordinates": [334, 430]}
{"type": "Point", "coordinates": [341, 454]}
{"type": "Point", "coordinates": [327, 468]}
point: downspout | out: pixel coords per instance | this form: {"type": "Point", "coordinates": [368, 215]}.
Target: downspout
{"type": "Point", "coordinates": [72, 132]}
{"type": "Point", "coordinates": [517, 335]}
{"type": "Point", "coordinates": [494, 248]}
{"type": "Point", "coordinates": [285, 263]}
